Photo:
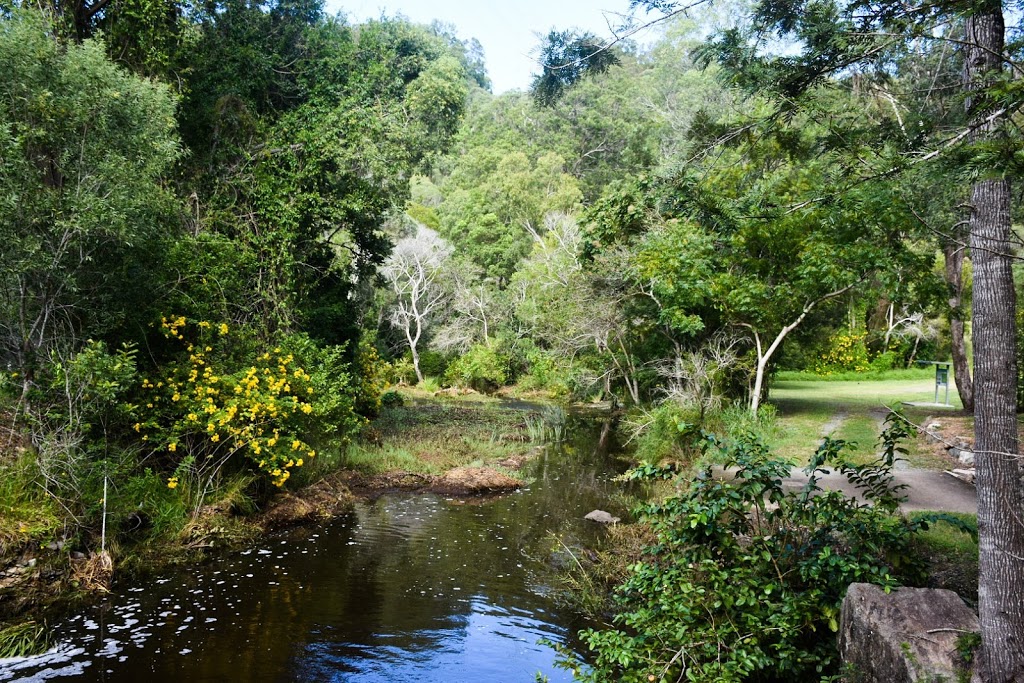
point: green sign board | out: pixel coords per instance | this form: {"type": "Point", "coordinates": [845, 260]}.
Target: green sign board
{"type": "Point", "coordinates": [941, 376]}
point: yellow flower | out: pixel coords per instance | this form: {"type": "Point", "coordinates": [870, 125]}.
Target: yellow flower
{"type": "Point", "coordinates": [172, 447]}
{"type": "Point", "coordinates": [215, 438]}
{"type": "Point", "coordinates": [172, 483]}
{"type": "Point", "coordinates": [298, 463]}
{"type": "Point", "coordinates": [138, 426]}
{"type": "Point", "coordinates": [296, 445]}
{"type": "Point", "coordinates": [223, 328]}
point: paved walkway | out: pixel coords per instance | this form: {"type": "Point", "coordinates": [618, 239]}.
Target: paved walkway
{"type": "Point", "coordinates": [926, 489]}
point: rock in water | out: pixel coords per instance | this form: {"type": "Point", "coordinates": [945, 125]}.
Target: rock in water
{"type": "Point", "coordinates": [475, 480]}
{"type": "Point", "coordinates": [904, 636]}
{"type": "Point", "coordinates": [601, 517]}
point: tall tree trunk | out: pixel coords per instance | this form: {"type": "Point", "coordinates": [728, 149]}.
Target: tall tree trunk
{"type": "Point", "coordinates": [1000, 495]}
{"type": "Point", "coordinates": [953, 250]}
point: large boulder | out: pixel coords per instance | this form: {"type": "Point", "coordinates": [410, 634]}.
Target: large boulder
{"type": "Point", "coordinates": [906, 636]}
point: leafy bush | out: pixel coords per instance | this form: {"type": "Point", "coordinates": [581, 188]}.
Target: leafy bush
{"type": "Point", "coordinates": [538, 369]}
{"type": "Point", "coordinates": [736, 420]}
{"type": "Point", "coordinates": [745, 580]}
{"type": "Point", "coordinates": [846, 352]}
{"type": "Point", "coordinates": [402, 371]}
{"type": "Point", "coordinates": [205, 407]}
{"type": "Point", "coordinates": [482, 368]}
{"type": "Point", "coordinates": [371, 373]}
{"type": "Point", "coordinates": [391, 399]}
{"type": "Point", "coordinates": [336, 394]}
{"type": "Point", "coordinates": [665, 433]}
{"type": "Point", "coordinates": [433, 363]}
{"type": "Point", "coordinates": [889, 360]}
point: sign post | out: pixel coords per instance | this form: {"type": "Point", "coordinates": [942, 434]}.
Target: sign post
{"type": "Point", "coordinates": [941, 378]}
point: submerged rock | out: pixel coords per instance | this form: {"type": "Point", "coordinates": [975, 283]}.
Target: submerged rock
{"type": "Point", "coordinates": [908, 635]}
{"type": "Point", "coordinates": [601, 517]}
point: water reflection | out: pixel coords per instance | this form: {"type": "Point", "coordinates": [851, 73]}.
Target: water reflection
{"type": "Point", "coordinates": [406, 588]}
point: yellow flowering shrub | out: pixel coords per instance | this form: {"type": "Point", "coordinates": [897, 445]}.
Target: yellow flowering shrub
{"type": "Point", "coordinates": [204, 407]}
{"type": "Point", "coordinates": [846, 353]}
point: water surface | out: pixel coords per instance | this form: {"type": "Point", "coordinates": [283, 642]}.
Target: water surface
{"type": "Point", "coordinates": [405, 588]}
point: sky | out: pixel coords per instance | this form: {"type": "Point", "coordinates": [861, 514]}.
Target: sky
{"type": "Point", "coordinates": [508, 30]}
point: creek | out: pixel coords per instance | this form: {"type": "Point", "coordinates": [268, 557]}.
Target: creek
{"type": "Point", "coordinates": [408, 587]}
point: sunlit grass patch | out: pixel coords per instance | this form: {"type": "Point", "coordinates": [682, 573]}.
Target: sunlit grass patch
{"type": "Point", "coordinates": [901, 374]}
{"type": "Point", "coordinates": [432, 436]}
{"type": "Point", "coordinates": [852, 411]}
{"type": "Point", "coordinates": [951, 554]}
{"type": "Point", "coordinates": [26, 511]}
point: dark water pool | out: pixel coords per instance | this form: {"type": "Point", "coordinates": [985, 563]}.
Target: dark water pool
{"type": "Point", "coordinates": [406, 588]}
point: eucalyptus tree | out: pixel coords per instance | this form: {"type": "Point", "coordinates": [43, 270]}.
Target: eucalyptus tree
{"type": "Point", "coordinates": [416, 274]}
{"type": "Point", "coordinates": [582, 308]}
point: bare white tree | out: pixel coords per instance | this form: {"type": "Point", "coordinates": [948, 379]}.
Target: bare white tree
{"type": "Point", "coordinates": [476, 307]}
{"type": "Point", "coordinates": [415, 272]}
{"type": "Point", "coordinates": [560, 303]}
{"type": "Point", "coordinates": [694, 378]}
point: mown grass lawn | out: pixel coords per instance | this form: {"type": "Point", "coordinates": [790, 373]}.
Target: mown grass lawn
{"type": "Point", "coordinates": [852, 410]}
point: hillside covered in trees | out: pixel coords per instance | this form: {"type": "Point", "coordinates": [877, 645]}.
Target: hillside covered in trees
{"type": "Point", "coordinates": [228, 228]}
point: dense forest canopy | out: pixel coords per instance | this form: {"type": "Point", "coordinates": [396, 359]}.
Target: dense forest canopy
{"type": "Point", "coordinates": [226, 226]}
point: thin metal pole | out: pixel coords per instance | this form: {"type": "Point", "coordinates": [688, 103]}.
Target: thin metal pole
{"type": "Point", "coordinates": [103, 532]}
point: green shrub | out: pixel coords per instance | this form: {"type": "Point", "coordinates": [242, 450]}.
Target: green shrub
{"type": "Point", "coordinates": [391, 399]}
{"type": "Point", "coordinates": [372, 376]}
{"type": "Point", "coordinates": [745, 580]}
{"type": "Point", "coordinates": [665, 433]}
{"type": "Point", "coordinates": [433, 363]}
{"type": "Point", "coordinates": [890, 360]}
{"type": "Point", "coordinates": [402, 371]}
{"type": "Point", "coordinates": [543, 371]}
{"type": "Point", "coordinates": [736, 420]}
{"type": "Point", "coordinates": [482, 368]}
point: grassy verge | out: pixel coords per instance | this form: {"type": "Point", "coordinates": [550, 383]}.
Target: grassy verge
{"type": "Point", "coordinates": [852, 411]}
{"type": "Point", "coordinates": [951, 554]}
